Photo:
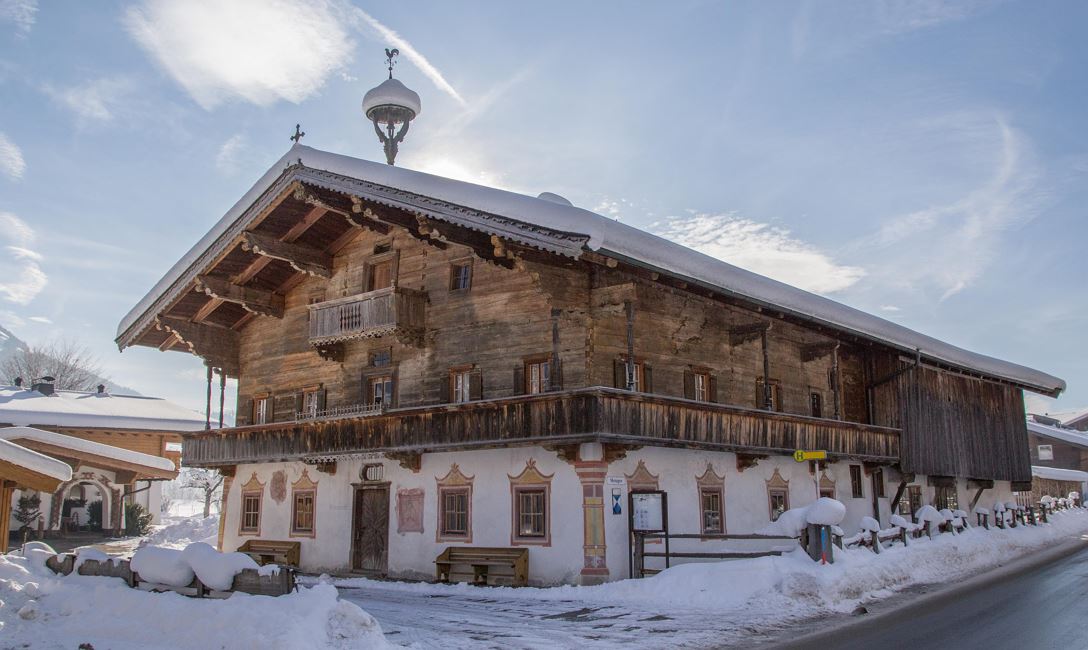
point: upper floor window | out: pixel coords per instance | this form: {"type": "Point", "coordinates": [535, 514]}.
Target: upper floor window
{"type": "Point", "coordinates": [461, 385]}
{"type": "Point", "coordinates": [816, 404]}
{"type": "Point", "coordinates": [537, 377]}
{"type": "Point", "coordinates": [635, 376]}
{"type": "Point", "coordinates": [460, 275]}
{"type": "Point", "coordinates": [380, 390]}
{"type": "Point", "coordinates": [700, 385]}
{"type": "Point", "coordinates": [1046, 452]}
{"type": "Point", "coordinates": [261, 409]}
{"type": "Point", "coordinates": [769, 397]}
{"type": "Point", "coordinates": [381, 358]}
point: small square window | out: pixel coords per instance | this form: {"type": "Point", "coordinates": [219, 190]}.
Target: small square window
{"type": "Point", "coordinates": [381, 358]}
{"type": "Point", "coordinates": [460, 276]}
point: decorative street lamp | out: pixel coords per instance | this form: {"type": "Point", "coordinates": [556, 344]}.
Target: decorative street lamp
{"type": "Point", "coordinates": [388, 105]}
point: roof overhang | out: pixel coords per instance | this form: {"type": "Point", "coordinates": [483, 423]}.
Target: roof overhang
{"type": "Point", "coordinates": [80, 451]}
{"type": "Point", "coordinates": [31, 470]}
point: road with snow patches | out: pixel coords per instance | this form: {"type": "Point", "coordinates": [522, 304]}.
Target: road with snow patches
{"type": "Point", "coordinates": [1041, 608]}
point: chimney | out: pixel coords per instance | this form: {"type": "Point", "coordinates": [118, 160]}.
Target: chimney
{"type": "Point", "coordinates": [18, 382]}
{"type": "Point", "coordinates": [44, 385]}
{"type": "Point", "coordinates": [101, 389]}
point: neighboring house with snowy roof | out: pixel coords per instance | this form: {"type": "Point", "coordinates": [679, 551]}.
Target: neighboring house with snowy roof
{"type": "Point", "coordinates": [120, 446]}
{"type": "Point", "coordinates": [1072, 419]}
{"type": "Point", "coordinates": [24, 469]}
{"type": "Point", "coordinates": [1059, 457]}
{"type": "Point", "coordinates": [455, 364]}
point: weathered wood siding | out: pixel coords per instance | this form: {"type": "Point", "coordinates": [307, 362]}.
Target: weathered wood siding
{"type": "Point", "coordinates": [603, 415]}
{"type": "Point", "coordinates": [955, 425]}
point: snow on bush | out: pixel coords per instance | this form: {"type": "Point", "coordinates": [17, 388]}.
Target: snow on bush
{"type": "Point", "coordinates": [166, 566]}
{"type": "Point", "coordinates": [791, 522]}
{"type": "Point", "coordinates": [215, 569]}
{"type": "Point", "coordinates": [67, 611]}
{"type": "Point", "coordinates": [869, 525]}
{"type": "Point", "coordinates": [929, 514]}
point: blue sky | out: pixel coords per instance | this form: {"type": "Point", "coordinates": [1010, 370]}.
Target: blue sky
{"type": "Point", "coordinates": [923, 160]}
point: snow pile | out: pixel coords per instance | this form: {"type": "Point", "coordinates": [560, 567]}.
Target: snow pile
{"type": "Point", "coordinates": [870, 525]}
{"type": "Point", "coordinates": [216, 570]}
{"type": "Point", "coordinates": [183, 531]}
{"type": "Point", "coordinates": [42, 610]}
{"type": "Point", "coordinates": [166, 566]}
{"type": "Point", "coordinates": [824, 511]}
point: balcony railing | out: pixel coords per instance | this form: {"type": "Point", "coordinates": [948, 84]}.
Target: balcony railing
{"type": "Point", "coordinates": [564, 417]}
{"type": "Point", "coordinates": [366, 315]}
{"type": "Point", "coordinates": [351, 411]}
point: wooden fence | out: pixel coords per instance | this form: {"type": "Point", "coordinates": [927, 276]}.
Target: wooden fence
{"type": "Point", "coordinates": [249, 581]}
{"type": "Point", "coordinates": [640, 554]}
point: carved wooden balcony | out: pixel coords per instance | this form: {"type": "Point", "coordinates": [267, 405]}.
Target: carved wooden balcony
{"type": "Point", "coordinates": [367, 315]}
{"type": "Point", "coordinates": [557, 419]}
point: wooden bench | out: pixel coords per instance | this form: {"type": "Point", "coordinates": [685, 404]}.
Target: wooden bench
{"type": "Point", "coordinates": [265, 551]}
{"type": "Point", "coordinates": [489, 566]}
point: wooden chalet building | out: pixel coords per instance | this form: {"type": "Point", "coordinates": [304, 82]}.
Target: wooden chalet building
{"type": "Point", "coordinates": [1059, 459]}
{"type": "Point", "coordinates": [425, 363]}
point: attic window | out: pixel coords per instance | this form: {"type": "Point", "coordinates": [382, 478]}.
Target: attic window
{"type": "Point", "coordinates": [383, 247]}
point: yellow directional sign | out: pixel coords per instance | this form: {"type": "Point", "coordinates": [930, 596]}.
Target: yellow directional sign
{"type": "Point", "coordinates": [801, 455]}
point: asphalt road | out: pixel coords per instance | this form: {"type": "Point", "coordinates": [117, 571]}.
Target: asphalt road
{"type": "Point", "coordinates": [1039, 608]}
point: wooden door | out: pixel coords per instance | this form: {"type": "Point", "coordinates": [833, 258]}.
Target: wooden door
{"type": "Point", "coordinates": [370, 530]}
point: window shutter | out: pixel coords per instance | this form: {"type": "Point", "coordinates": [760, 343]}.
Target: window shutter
{"type": "Point", "coordinates": [648, 376]}
{"type": "Point", "coordinates": [760, 396]}
{"type": "Point", "coordinates": [619, 373]}
{"type": "Point", "coordinates": [712, 390]}
{"type": "Point", "coordinates": [299, 401]}
{"type": "Point", "coordinates": [557, 374]}
{"type": "Point", "coordinates": [395, 377]}
{"type": "Point", "coordinates": [322, 396]}
{"type": "Point", "coordinates": [476, 384]}
{"type": "Point", "coordinates": [689, 384]}
{"type": "Point", "coordinates": [519, 379]}
{"type": "Point", "coordinates": [446, 395]}
{"type": "Point", "coordinates": [244, 416]}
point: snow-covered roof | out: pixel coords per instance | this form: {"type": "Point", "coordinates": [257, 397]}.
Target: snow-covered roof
{"type": "Point", "coordinates": [87, 446]}
{"type": "Point", "coordinates": [1059, 474]}
{"type": "Point", "coordinates": [1070, 436]}
{"type": "Point", "coordinates": [33, 461]}
{"type": "Point", "coordinates": [1071, 417]}
{"type": "Point", "coordinates": [64, 408]}
{"type": "Point", "coordinates": [603, 235]}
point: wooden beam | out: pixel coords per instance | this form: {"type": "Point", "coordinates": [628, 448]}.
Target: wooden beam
{"type": "Point", "coordinates": [743, 333]}
{"type": "Point", "coordinates": [817, 350]}
{"type": "Point", "coordinates": [301, 258]}
{"type": "Point", "coordinates": [208, 308]}
{"type": "Point", "coordinates": [358, 217]}
{"type": "Point", "coordinates": [27, 478]}
{"type": "Point", "coordinates": [217, 345]}
{"type": "Point", "coordinates": [168, 343]}
{"type": "Point", "coordinates": [258, 301]}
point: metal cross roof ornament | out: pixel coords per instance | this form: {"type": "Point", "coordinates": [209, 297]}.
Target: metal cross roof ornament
{"type": "Point", "coordinates": [391, 105]}
{"type": "Point", "coordinates": [391, 59]}
{"type": "Point", "coordinates": [299, 134]}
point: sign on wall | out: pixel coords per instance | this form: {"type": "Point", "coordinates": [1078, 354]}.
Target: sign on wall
{"type": "Point", "coordinates": [648, 511]}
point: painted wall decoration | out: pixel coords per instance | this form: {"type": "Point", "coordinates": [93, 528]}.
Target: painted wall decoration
{"type": "Point", "coordinates": [410, 510]}
{"type": "Point", "coordinates": [277, 488]}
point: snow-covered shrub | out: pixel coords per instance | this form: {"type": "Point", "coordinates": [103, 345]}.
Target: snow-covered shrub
{"type": "Point", "coordinates": [163, 565]}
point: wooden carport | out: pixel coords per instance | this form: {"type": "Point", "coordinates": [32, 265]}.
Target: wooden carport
{"type": "Point", "coordinates": [22, 468]}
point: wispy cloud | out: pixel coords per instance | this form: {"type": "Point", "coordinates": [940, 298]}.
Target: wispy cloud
{"type": "Point", "coordinates": [11, 158]}
{"type": "Point", "coordinates": [226, 160]}
{"type": "Point", "coordinates": [21, 276]}
{"type": "Point", "coordinates": [362, 19]}
{"type": "Point", "coordinates": [20, 12]}
{"type": "Point", "coordinates": [948, 246]}
{"type": "Point", "coordinates": [761, 248]}
{"type": "Point", "coordinates": [41, 319]}
{"type": "Point", "coordinates": [899, 16]}
{"type": "Point", "coordinates": [260, 51]}
{"type": "Point", "coordinates": [96, 100]}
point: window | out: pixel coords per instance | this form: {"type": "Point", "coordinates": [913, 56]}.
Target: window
{"type": "Point", "coordinates": [302, 519]}
{"type": "Point", "coordinates": [380, 275]}
{"type": "Point", "coordinates": [856, 490]}
{"type": "Point", "coordinates": [380, 390]}
{"type": "Point", "coordinates": [260, 410]}
{"type": "Point", "coordinates": [711, 501]}
{"type": "Point", "coordinates": [251, 512]}
{"type": "Point", "coordinates": [638, 381]}
{"type": "Point", "coordinates": [381, 358]}
{"type": "Point", "coordinates": [454, 519]}
{"type": "Point", "coordinates": [460, 276]}
{"type": "Point", "coordinates": [537, 377]}
{"type": "Point", "coordinates": [461, 385]}
{"type": "Point", "coordinates": [945, 497]}
{"type": "Point", "coordinates": [779, 501]}
{"type": "Point", "coordinates": [1046, 452]}
{"type": "Point", "coordinates": [531, 516]}
{"type": "Point", "coordinates": [878, 483]}
{"type": "Point", "coordinates": [772, 400]}
{"type": "Point", "coordinates": [911, 501]}
{"type": "Point", "coordinates": [309, 403]}
{"type": "Point", "coordinates": [382, 247]}
{"type": "Point", "coordinates": [816, 404]}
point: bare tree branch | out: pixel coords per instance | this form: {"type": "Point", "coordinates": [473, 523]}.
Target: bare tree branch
{"type": "Point", "coordinates": [72, 365]}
